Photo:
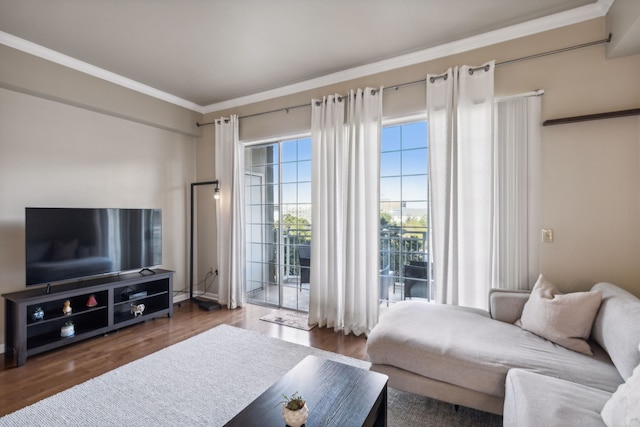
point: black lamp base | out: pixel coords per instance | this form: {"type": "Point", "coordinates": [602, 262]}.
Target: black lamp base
{"type": "Point", "coordinates": [207, 304]}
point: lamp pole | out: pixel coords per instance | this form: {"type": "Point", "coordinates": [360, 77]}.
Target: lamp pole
{"type": "Point", "coordinates": [202, 302]}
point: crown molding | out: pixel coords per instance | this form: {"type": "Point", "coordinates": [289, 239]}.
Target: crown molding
{"type": "Point", "coordinates": [86, 68]}
{"type": "Point", "coordinates": [558, 20]}
{"type": "Point", "coordinates": [547, 23]}
{"type": "Point", "coordinates": [604, 6]}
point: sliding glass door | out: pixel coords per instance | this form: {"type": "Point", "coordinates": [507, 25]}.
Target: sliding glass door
{"type": "Point", "coordinates": [278, 223]}
{"type": "Point", "coordinates": [278, 218]}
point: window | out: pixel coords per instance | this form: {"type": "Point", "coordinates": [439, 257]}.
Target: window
{"type": "Point", "coordinates": [404, 212]}
{"type": "Point", "coordinates": [278, 218]}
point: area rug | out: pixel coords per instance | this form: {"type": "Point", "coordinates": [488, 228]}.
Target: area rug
{"type": "Point", "coordinates": [205, 381]}
{"type": "Point", "coordinates": [295, 319]}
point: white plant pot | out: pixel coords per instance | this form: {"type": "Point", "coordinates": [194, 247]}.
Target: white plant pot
{"type": "Point", "coordinates": [295, 418]}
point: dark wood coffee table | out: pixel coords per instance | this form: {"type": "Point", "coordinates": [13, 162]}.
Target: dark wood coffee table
{"type": "Point", "coordinates": [337, 395]}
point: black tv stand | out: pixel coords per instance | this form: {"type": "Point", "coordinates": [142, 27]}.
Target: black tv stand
{"type": "Point", "coordinates": [27, 335]}
{"type": "Point", "coordinates": [150, 271]}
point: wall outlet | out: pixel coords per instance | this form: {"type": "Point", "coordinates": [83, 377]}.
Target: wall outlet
{"type": "Point", "coordinates": [547, 235]}
{"type": "Point", "coordinates": [211, 270]}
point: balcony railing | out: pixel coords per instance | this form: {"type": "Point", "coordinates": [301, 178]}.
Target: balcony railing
{"type": "Point", "coordinates": [292, 238]}
{"type": "Point", "coordinates": [399, 247]}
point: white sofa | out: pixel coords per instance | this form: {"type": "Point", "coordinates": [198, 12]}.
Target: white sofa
{"type": "Point", "coordinates": [463, 355]}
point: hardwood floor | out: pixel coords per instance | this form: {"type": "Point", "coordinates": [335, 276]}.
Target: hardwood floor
{"type": "Point", "coordinates": [48, 373]}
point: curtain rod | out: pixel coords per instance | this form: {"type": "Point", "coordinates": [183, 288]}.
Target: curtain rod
{"type": "Point", "coordinates": [398, 86]}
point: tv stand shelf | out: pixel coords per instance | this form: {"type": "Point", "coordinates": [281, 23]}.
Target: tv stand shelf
{"type": "Point", "coordinates": [26, 334]}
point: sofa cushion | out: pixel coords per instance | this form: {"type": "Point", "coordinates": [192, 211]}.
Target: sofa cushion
{"type": "Point", "coordinates": [467, 348]}
{"type": "Point", "coordinates": [623, 409]}
{"type": "Point", "coordinates": [538, 400]}
{"type": "Point", "coordinates": [617, 327]}
{"type": "Point", "coordinates": [565, 319]}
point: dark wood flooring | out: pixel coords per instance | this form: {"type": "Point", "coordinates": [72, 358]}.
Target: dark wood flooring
{"type": "Point", "coordinates": [48, 373]}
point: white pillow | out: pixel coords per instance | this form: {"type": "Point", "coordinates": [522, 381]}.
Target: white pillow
{"type": "Point", "coordinates": [565, 319]}
{"type": "Point", "coordinates": [623, 409]}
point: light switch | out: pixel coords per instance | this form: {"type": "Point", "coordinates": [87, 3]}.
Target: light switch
{"type": "Point", "coordinates": [547, 235]}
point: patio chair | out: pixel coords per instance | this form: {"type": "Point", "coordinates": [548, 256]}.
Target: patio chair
{"type": "Point", "coordinates": [416, 273]}
{"type": "Point", "coordinates": [304, 262]}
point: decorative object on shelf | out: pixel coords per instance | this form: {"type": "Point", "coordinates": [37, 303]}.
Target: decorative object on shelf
{"type": "Point", "coordinates": [92, 302]}
{"type": "Point", "coordinates": [66, 308]}
{"type": "Point", "coordinates": [295, 410]}
{"type": "Point", "coordinates": [137, 309]}
{"type": "Point", "coordinates": [68, 330]}
{"type": "Point", "coordinates": [38, 314]}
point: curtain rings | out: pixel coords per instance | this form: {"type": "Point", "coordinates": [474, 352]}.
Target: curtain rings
{"type": "Point", "coordinates": [339, 98]}
{"type": "Point", "coordinates": [434, 78]}
{"type": "Point", "coordinates": [472, 70]}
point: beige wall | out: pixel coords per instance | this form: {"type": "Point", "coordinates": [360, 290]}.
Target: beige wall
{"type": "Point", "coordinates": [25, 73]}
{"type": "Point", "coordinates": [591, 170]}
{"type": "Point", "coordinates": [70, 150]}
{"type": "Point", "coordinates": [67, 139]}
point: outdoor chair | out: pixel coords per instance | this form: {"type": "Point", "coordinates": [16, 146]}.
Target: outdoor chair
{"type": "Point", "coordinates": [304, 262]}
{"type": "Point", "coordinates": [416, 273]}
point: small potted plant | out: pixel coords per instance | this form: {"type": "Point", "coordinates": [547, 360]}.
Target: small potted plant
{"type": "Point", "coordinates": [68, 330]}
{"type": "Point", "coordinates": [294, 410]}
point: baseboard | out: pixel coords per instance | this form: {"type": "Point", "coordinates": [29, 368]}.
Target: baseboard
{"type": "Point", "coordinates": [207, 302]}
{"type": "Point", "coordinates": [210, 296]}
{"type": "Point", "coordinates": [185, 297]}
{"type": "Point", "coordinates": [180, 298]}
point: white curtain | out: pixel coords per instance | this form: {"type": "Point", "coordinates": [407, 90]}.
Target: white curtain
{"type": "Point", "coordinates": [460, 116]}
{"type": "Point", "coordinates": [345, 211]}
{"type": "Point", "coordinates": [229, 161]}
{"type": "Point", "coordinates": [517, 192]}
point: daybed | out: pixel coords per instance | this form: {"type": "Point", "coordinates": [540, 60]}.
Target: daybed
{"type": "Point", "coordinates": [463, 355]}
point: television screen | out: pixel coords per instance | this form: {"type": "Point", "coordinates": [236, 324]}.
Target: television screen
{"type": "Point", "coordinates": [64, 244]}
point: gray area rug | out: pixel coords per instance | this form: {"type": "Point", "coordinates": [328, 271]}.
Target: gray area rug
{"type": "Point", "coordinates": [205, 381]}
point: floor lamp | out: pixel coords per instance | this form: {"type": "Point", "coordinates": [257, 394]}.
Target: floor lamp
{"type": "Point", "coordinates": [203, 303]}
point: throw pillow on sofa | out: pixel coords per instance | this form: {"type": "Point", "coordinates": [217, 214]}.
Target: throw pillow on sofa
{"type": "Point", "coordinates": [565, 319]}
{"type": "Point", "coordinates": [623, 409]}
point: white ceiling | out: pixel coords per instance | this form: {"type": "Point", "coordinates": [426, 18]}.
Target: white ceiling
{"type": "Point", "coordinates": [207, 53]}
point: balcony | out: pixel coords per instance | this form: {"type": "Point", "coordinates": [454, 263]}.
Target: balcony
{"type": "Point", "coordinates": [403, 260]}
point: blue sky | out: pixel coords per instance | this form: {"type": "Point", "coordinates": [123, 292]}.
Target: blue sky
{"type": "Point", "coordinates": [403, 165]}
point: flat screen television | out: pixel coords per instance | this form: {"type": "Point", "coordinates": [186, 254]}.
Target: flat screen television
{"type": "Point", "coordinates": [66, 244]}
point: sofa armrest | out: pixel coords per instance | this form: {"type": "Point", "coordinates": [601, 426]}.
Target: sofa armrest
{"type": "Point", "coordinates": [506, 305]}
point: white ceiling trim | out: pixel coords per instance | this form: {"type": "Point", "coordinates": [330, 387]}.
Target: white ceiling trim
{"type": "Point", "coordinates": [551, 22]}
{"type": "Point", "coordinates": [605, 5]}
{"type": "Point", "coordinates": [75, 64]}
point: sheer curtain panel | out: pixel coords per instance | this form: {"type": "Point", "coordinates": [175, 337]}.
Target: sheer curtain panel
{"type": "Point", "coordinates": [345, 218]}
{"type": "Point", "coordinates": [517, 192]}
{"type": "Point", "coordinates": [460, 116]}
{"type": "Point", "coordinates": [229, 162]}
